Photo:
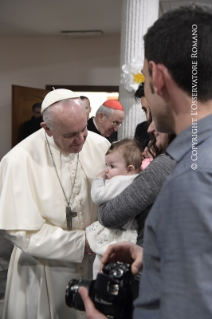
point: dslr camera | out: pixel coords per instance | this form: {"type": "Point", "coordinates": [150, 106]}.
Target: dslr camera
{"type": "Point", "coordinates": [111, 292]}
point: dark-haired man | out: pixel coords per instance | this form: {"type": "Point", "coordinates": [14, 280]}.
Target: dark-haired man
{"type": "Point", "coordinates": [177, 255]}
{"type": "Point", "coordinates": [87, 104]}
{"type": "Point", "coordinates": [33, 125]}
{"type": "Point", "coordinates": [141, 134]}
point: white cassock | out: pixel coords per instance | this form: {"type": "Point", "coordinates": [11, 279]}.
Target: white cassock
{"type": "Point", "coordinates": [33, 213]}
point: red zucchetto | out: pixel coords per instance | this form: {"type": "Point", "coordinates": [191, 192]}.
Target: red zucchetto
{"type": "Point", "coordinates": [113, 104]}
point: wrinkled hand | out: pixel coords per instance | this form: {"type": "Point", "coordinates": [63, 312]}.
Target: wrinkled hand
{"type": "Point", "coordinates": [88, 250]}
{"type": "Point", "coordinates": [125, 252]}
{"type": "Point", "coordinates": [90, 309]}
{"type": "Point", "coordinates": [102, 174]}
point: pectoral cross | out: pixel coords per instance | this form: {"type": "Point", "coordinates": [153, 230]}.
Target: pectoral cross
{"type": "Point", "coordinates": [69, 216]}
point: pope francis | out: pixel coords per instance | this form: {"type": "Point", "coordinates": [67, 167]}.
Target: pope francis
{"type": "Point", "coordinates": [45, 206]}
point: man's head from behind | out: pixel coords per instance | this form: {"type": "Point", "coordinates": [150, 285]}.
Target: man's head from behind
{"type": "Point", "coordinates": [178, 41]}
{"type": "Point", "coordinates": [65, 119]}
{"type": "Point", "coordinates": [109, 117]}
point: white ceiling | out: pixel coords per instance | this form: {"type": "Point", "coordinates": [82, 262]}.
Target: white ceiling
{"type": "Point", "coordinates": [28, 18]}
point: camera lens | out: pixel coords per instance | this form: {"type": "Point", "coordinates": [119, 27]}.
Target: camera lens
{"type": "Point", "coordinates": [72, 296]}
{"type": "Point", "coordinates": [71, 290]}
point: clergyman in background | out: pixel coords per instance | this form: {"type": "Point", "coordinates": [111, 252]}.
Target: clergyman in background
{"type": "Point", "coordinates": [108, 119]}
{"type": "Point", "coordinates": [33, 125]}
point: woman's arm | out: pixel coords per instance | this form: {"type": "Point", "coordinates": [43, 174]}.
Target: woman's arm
{"type": "Point", "coordinates": [138, 196]}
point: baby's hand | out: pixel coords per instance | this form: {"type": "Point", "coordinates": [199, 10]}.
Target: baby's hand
{"type": "Point", "coordinates": [102, 174]}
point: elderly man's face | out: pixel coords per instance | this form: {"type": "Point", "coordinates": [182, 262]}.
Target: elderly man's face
{"type": "Point", "coordinates": [110, 124]}
{"type": "Point", "coordinates": [70, 128]}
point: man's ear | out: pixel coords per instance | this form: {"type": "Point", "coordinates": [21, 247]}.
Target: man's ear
{"type": "Point", "coordinates": [130, 169]}
{"type": "Point", "coordinates": [46, 128]}
{"type": "Point", "coordinates": [158, 77]}
{"type": "Point", "coordinates": [100, 117]}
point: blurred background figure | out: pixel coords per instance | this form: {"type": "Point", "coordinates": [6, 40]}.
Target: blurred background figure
{"type": "Point", "coordinates": [109, 117]}
{"type": "Point", "coordinates": [86, 101]}
{"type": "Point", "coordinates": [141, 134]}
{"type": "Point", "coordinates": [33, 125]}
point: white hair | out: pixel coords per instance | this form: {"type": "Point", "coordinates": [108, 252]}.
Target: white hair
{"type": "Point", "coordinates": [48, 117]}
{"type": "Point", "coordinates": [105, 110]}
{"type": "Point", "coordinates": [49, 114]}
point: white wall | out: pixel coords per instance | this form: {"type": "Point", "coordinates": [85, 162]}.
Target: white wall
{"type": "Point", "coordinates": [35, 62]}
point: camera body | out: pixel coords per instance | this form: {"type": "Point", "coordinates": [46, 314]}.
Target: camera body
{"type": "Point", "coordinates": [111, 292]}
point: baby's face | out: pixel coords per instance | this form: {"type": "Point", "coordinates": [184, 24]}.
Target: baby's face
{"type": "Point", "coordinates": [115, 165]}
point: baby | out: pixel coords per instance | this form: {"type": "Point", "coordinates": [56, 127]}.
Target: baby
{"type": "Point", "coordinates": [123, 164]}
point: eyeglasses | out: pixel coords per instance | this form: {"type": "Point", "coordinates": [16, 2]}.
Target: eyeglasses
{"type": "Point", "coordinates": [114, 123]}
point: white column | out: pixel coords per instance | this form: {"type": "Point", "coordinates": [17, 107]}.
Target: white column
{"type": "Point", "coordinates": [137, 17]}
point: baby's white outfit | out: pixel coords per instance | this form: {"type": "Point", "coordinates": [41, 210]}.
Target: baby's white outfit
{"type": "Point", "coordinates": [100, 237]}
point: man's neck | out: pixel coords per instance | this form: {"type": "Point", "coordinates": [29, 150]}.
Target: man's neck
{"type": "Point", "coordinates": [184, 120]}
{"type": "Point", "coordinates": [185, 110]}
{"type": "Point", "coordinates": [94, 122]}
